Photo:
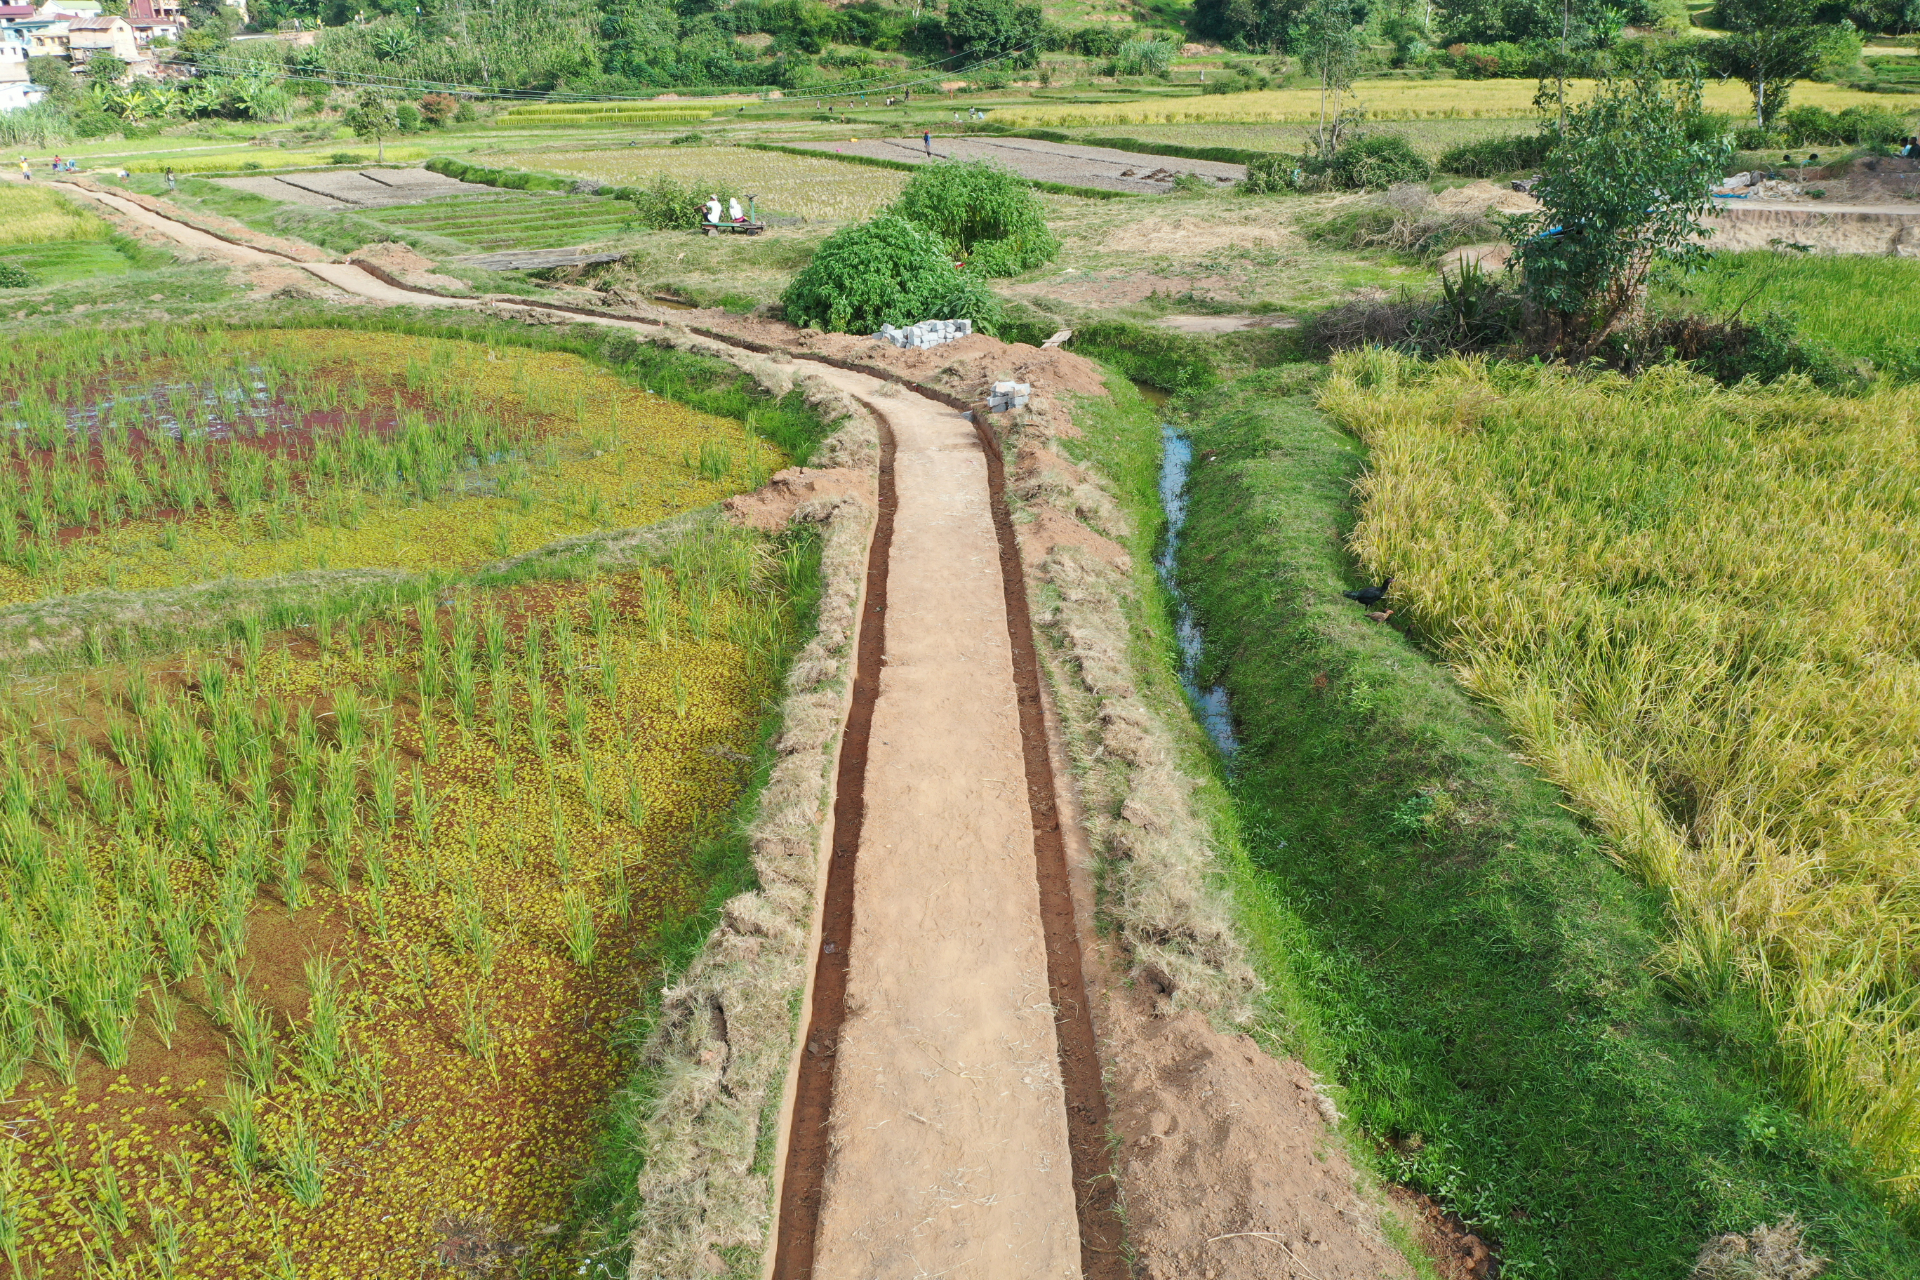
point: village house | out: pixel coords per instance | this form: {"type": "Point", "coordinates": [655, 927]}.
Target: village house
{"type": "Point", "coordinates": [112, 34]}
{"type": "Point", "coordinates": [16, 87]}
{"type": "Point", "coordinates": [155, 19]}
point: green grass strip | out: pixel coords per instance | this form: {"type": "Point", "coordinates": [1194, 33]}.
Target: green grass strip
{"type": "Point", "coordinates": [1446, 941]}
{"type": "Point", "coordinates": [1224, 155]}
{"type": "Point", "coordinates": [876, 162]}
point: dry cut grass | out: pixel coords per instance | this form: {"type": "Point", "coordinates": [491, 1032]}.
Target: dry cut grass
{"type": "Point", "coordinates": [820, 190]}
{"type": "Point", "coordinates": [1692, 605]}
{"type": "Point", "coordinates": [35, 215]}
{"type": "Point", "coordinates": [1380, 100]}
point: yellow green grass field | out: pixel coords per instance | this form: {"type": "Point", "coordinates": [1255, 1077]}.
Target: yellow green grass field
{"type": "Point", "coordinates": [1387, 100]}
{"type": "Point", "coordinates": [1693, 606]}
{"type": "Point", "coordinates": [35, 215]}
{"type": "Point", "coordinates": [819, 190]}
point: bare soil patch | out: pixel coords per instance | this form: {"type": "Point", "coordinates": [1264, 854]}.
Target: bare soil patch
{"type": "Point", "coordinates": [772, 506]}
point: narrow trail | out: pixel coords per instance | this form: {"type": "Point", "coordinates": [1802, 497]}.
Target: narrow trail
{"type": "Point", "coordinates": [939, 1127]}
{"type": "Point", "coordinates": [949, 1150]}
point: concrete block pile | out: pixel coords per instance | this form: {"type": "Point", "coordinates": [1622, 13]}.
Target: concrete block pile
{"type": "Point", "coordinates": [928, 333]}
{"type": "Point", "coordinates": [1008, 395]}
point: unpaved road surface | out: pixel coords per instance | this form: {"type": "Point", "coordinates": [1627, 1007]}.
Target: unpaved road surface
{"type": "Point", "coordinates": [1067, 162]}
{"type": "Point", "coordinates": [950, 1153]}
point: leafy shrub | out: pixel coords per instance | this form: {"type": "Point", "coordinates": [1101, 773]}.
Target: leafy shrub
{"type": "Point", "coordinates": [1142, 58]}
{"type": "Point", "coordinates": [1236, 82]}
{"type": "Point", "coordinates": [439, 109]}
{"type": "Point", "coordinates": [15, 276]}
{"type": "Point", "coordinates": [1764, 349]}
{"type": "Point", "coordinates": [1496, 156]}
{"type": "Point", "coordinates": [408, 118]}
{"type": "Point", "coordinates": [986, 211]}
{"type": "Point", "coordinates": [687, 140]}
{"type": "Point", "coordinates": [346, 157]}
{"type": "Point", "coordinates": [887, 271]}
{"type": "Point", "coordinates": [1097, 42]}
{"type": "Point", "coordinates": [509, 179]}
{"type": "Point", "coordinates": [1269, 175]}
{"type": "Point", "coordinates": [1367, 163]}
{"type": "Point", "coordinates": [668, 204]}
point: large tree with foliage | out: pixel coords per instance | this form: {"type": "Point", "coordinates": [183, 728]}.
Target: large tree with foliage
{"type": "Point", "coordinates": [1769, 45]}
{"type": "Point", "coordinates": [994, 29]}
{"type": "Point", "coordinates": [987, 212]}
{"type": "Point", "coordinates": [1623, 189]}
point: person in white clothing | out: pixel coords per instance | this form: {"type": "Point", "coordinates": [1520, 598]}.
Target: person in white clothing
{"type": "Point", "coordinates": [734, 212]}
{"type": "Point", "coordinates": [713, 208]}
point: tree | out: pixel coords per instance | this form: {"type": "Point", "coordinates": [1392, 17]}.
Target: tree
{"type": "Point", "coordinates": [105, 69]}
{"type": "Point", "coordinates": [1769, 45]}
{"type": "Point", "coordinates": [887, 271]}
{"type": "Point", "coordinates": [57, 78]}
{"type": "Point", "coordinates": [985, 211]}
{"type": "Point", "coordinates": [984, 29]}
{"type": "Point", "coordinates": [439, 109]}
{"type": "Point", "coordinates": [1624, 188]}
{"type": "Point", "coordinates": [1325, 36]}
{"type": "Point", "coordinates": [372, 119]}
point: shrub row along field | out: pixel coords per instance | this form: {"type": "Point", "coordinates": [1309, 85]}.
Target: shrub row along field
{"type": "Point", "coordinates": [156, 457]}
{"type": "Point", "coordinates": [315, 947]}
{"type": "Point", "coordinates": [514, 222]}
{"type": "Point", "coordinates": [818, 190]}
{"type": "Point", "coordinates": [1382, 100]}
{"type": "Point", "coordinates": [1689, 604]}
{"type": "Point", "coordinates": [1430, 138]}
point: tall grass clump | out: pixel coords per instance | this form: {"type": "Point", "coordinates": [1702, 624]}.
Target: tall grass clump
{"type": "Point", "coordinates": [1688, 602]}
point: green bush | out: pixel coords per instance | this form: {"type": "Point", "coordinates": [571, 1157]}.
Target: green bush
{"type": "Point", "coordinates": [667, 204]}
{"type": "Point", "coordinates": [1270, 174]}
{"type": "Point", "coordinates": [887, 271]}
{"type": "Point", "coordinates": [409, 118]}
{"type": "Point", "coordinates": [987, 212]}
{"type": "Point", "coordinates": [15, 276]}
{"type": "Point", "coordinates": [508, 179]}
{"type": "Point", "coordinates": [1496, 156]}
{"type": "Point", "coordinates": [1374, 163]}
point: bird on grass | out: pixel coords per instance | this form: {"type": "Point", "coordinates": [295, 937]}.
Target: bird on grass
{"type": "Point", "coordinates": [1381, 616]}
{"type": "Point", "coordinates": [1370, 595]}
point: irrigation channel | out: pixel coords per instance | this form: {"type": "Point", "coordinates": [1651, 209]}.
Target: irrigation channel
{"type": "Point", "coordinates": [1176, 460]}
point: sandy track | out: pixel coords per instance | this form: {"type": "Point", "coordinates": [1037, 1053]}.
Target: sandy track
{"type": "Point", "coordinates": [949, 1151]}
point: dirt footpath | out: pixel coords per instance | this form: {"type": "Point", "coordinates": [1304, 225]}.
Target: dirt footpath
{"type": "Point", "coordinates": [950, 1151]}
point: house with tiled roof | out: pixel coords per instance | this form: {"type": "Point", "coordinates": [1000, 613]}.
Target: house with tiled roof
{"type": "Point", "coordinates": [151, 18]}
{"type": "Point", "coordinates": [109, 33]}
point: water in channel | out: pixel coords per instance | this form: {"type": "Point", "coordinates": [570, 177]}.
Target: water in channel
{"type": "Point", "coordinates": [1176, 458]}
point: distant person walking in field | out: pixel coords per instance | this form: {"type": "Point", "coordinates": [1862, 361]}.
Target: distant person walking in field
{"type": "Point", "coordinates": [927, 139]}
{"type": "Point", "coordinates": [26, 170]}
{"type": "Point", "coordinates": [170, 181]}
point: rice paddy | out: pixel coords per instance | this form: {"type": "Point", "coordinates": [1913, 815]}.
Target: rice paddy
{"type": "Point", "coordinates": [1690, 605]}
{"type": "Point", "coordinates": [315, 947]}
{"type": "Point", "coordinates": [818, 190]}
{"type": "Point", "coordinates": [36, 215]}
{"type": "Point", "coordinates": [515, 221]}
{"type": "Point", "coordinates": [1382, 100]}
{"type": "Point", "coordinates": [158, 457]}
{"type": "Point", "coordinates": [321, 944]}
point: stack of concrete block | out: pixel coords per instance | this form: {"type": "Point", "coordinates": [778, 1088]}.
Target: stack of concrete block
{"type": "Point", "coordinates": [1008, 395]}
{"type": "Point", "coordinates": [928, 333]}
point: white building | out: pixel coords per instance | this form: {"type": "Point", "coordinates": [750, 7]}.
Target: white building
{"type": "Point", "coordinates": [16, 90]}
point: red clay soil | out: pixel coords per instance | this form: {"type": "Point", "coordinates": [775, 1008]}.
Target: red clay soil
{"type": "Point", "coordinates": [809, 1146]}
{"type": "Point", "coordinates": [771, 507]}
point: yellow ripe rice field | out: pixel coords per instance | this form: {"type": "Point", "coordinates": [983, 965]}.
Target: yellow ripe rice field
{"type": "Point", "coordinates": [1386, 100]}
{"type": "Point", "coordinates": [1692, 606]}
{"type": "Point", "coordinates": [256, 474]}
{"type": "Point", "coordinates": [36, 215]}
{"type": "Point", "coordinates": [316, 950]}
{"type": "Point", "coordinates": [818, 190]}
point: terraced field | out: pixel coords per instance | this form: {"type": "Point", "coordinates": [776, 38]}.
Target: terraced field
{"type": "Point", "coordinates": [317, 935]}
{"type": "Point", "coordinates": [515, 221]}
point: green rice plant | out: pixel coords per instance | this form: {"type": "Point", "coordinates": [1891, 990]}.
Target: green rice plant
{"type": "Point", "coordinates": [386, 786]}
{"type": "Point", "coordinates": [366, 1076]}
{"type": "Point", "coordinates": [177, 926]}
{"type": "Point", "coordinates": [349, 717]}
{"type": "Point", "coordinates": [576, 712]}
{"type": "Point", "coordinates": [620, 891]}
{"type": "Point", "coordinates": [494, 635]}
{"type": "Point", "coordinates": [429, 732]}
{"type": "Point", "coordinates": [294, 852]}
{"type": "Point", "coordinates": [325, 1038]}
{"type": "Point", "coordinates": [250, 1027]}
{"type": "Point", "coordinates": [245, 1140]}
{"type": "Point", "coordinates": [582, 937]}
{"type": "Point", "coordinates": [109, 1196]}
{"type": "Point", "coordinates": [697, 606]}
{"type": "Point", "coordinates": [477, 1035]}
{"type": "Point", "coordinates": [301, 1168]}
{"type": "Point", "coordinates": [600, 611]}
{"type": "Point", "coordinates": [165, 1007]}
{"type": "Point", "coordinates": [539, 722]}
{"type": "Point", "coordinates": [377, 908]}
{"type": "Point", "coordinates": [590, 785]}
{"type": "Point", "coordinates": [566, 642]}
{"type": "Point", "coordinates": [716, 460]}
{"type": "Point", "coordinates": [424, 806]}
{"type": "Point", "coordinates": [163, 1226]}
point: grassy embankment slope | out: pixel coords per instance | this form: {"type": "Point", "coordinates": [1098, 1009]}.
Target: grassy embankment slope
{"type": "Point", "coordinates": [1445, 941]}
